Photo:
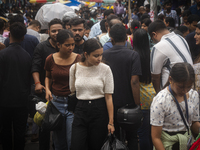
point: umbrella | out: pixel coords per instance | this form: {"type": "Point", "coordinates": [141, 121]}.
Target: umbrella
{"type": "Point", "coordinates": [50, 11]}
{"type": "Point", "coordinates": [73, 3]}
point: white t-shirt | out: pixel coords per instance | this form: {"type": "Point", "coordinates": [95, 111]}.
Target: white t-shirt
{"type": "Point", "coordinates": [91, 82]}
{"type": "Point", "coordinates": [164, 111]}
{"type": "Point", "coordinates": [170, 50]}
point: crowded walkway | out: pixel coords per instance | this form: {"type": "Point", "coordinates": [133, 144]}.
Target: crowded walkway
{"type": "Point", "coordinates": [92, 77]}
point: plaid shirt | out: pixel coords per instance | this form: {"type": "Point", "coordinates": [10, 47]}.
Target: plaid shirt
{"type": "Point", "coordinates": [172, 14]}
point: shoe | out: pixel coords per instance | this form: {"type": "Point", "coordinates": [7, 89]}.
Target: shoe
{"type": "Point", "coordinates": [34, 138]}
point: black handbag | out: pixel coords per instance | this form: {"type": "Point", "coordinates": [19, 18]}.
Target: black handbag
{"type": "Point", "coordinates": [72, 99]}
{"type": "Point", "coordinates": [53, 119]}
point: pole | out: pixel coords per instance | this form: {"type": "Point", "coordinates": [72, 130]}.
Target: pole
{"type": "Point", "coordinates": [129, 11]}
{"type": "Point", "coordinates": [153, 10]}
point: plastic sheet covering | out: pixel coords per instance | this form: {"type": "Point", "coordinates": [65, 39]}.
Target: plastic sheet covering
{"type": "Point", "coordinates": [50, 11]}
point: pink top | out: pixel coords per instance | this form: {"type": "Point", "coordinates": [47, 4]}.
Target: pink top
{"type": "Point", "coordinates": [6, 34]}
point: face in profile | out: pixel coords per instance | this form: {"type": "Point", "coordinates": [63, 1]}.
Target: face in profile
{"type": "Point", "coordinates": [87, 32]}
{"type": "Point", "coordinates": [95, 57]}
{"type": "Point", "coordinates": [197, 36]}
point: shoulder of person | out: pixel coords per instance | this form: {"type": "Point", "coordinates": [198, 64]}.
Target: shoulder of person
{"type": "Point", "coordinates": [160, 45]}
{"type": "Point", "coordinates": [49, 58]}
{"type": "Point", "coordinates": [30, 37]}
{"type": "Point", "coordinates": [3, 51]}
{"type": "Point", "coordinates": [103, 65]}
{"type": "Point", "coordinates": [193, 94]}
{"type": "Point", "coordinates": [162, 97]}
{"type": "Point", "coordinates": [73, 67]}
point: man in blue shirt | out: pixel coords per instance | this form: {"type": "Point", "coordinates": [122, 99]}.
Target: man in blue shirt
{"type": "Point", "coordinates": [96, 28]}
{"type": "Point", "coordinates": [195, 9]}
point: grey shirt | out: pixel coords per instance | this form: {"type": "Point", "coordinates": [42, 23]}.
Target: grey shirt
{"type": "Point", "coordinates": [33, 33]}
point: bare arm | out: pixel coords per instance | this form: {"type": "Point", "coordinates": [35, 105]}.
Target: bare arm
{"type": "Point", "coordinates": [135, 85]}
{"type": "Point", "coordinates": [38, 87]}
{"type": "Point", "coordinates": [156, 82]}
{"type": "Point", "coordinates": [109, 104]}
{"type": "Point", "coordinates": [156, 135]}
{"type": "Point", "coordinates": [47, 86]}
{"type": "Point", "coordinates": [195, 127]}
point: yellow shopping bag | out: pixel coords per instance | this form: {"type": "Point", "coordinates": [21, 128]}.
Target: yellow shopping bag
{"type": "Point", "coordinates": [38, 118]}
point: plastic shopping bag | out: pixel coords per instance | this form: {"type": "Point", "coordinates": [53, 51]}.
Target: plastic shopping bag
{"type": "Point", "coordinates": [41, 107]}
{"type": "Point", "coordinates": [112, 143]}
{"type": "Point", "coordinates": [38, 118]}
{"type": "Point", "coordinates": [53, 119]}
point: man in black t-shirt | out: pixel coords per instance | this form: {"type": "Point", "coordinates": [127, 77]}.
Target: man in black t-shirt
{"type": "Point", "coordinates": [15, 66]}
{"type": "Point", "coordinates": [126, 68]}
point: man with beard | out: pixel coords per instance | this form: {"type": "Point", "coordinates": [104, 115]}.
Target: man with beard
{"type": "Point", "coordinates": [41, 52]}
{"type": "Point", "coordinates": [168, 12]}
{"type": "Point", "coordinates": [78, 29]}
{"type": "Point", "coordinates": [195, 9]}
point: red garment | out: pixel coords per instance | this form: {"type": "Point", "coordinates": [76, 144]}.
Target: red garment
{"type": "Point", "coordinates": [195, 145]}
{"type": "Point", "coordinates": [59, 75]}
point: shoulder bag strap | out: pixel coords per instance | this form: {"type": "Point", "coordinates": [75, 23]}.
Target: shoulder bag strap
{"type": "Point", "coordinates": [75, 76]}
{"type": "Point", "coordinates": [179, 108]}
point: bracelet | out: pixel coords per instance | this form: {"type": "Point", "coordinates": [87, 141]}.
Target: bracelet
{"type": "Point", "coordinates": [37, 82]}
{"type": "Point", "coordinates": [111, 124]}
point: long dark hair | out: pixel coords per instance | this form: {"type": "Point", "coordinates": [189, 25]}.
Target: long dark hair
{"type": "Point", "coordinates": [182, 72]}
{"type": "Point", "coordinates": [141, 45]}
{"type": "Point", "coordinates": [90, 46]}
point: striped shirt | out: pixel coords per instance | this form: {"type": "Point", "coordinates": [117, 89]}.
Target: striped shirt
{"type": "Point", "coordinates": [171, 49]}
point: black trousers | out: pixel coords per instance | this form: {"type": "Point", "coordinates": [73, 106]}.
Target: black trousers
{"type": "Point", "coordinates": [16, 117]}
{"type": "Point", "coordinates": [90, 125]}
{"type": "Point", "coordinates": [44, 139]}
{"type": "Point", "coordinates": [130, 136]}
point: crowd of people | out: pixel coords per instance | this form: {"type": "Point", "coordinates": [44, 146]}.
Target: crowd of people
{"type": "Point", "coordinates": [108, 63]}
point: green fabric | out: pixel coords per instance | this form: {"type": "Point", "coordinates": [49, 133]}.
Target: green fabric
{"type": "Point", "coordinates": [198, 137]}
{"type": "Point", "coordinates": [168, 141]}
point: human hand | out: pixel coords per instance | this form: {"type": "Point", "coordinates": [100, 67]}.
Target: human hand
{"type": "Point", "coordinates": [48, 95]}
{"type": "Point", "coordinates": [111, 128]}
{"type": "Point", "coordinates": [38, 88]}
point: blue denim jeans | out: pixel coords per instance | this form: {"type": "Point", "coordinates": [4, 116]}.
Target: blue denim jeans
{"type": "Point", "coordinates": [144, 132]}
{"type": "Point", "coordinates": [62, 138]}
